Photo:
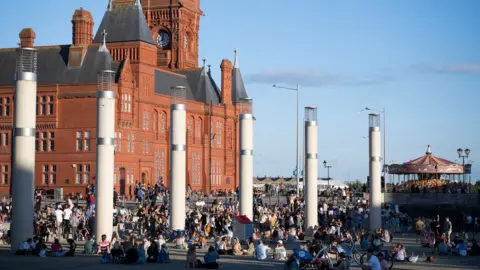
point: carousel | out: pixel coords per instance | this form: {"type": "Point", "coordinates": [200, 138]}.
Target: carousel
{"type": "Point", "coordinates": [426, 169]}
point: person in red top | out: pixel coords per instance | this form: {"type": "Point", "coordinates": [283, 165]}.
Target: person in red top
{"type": "Point", "coordinates": [91, 201]}
{"type": "Point", "coordinates": [104, 249]}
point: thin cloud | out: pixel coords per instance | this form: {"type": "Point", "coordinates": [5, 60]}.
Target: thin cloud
{"type": "Point", "coordinates": [462, 68]}
{"type": "Point", "coordinates": [312, 78]}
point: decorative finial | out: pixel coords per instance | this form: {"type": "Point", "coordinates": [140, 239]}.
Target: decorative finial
{"type": "Point", "coordinates": [204, 60]}
{"type": "Point", "coordinates": [209, 68]}
{"type": "Point", "coordinates": [235, 60]}
{"type": "Point", "coordinates": [428, 150]}
{"type": "Point", "coordinates": [110, 5]}
{"type": "Point", "coordinates": [138, 3]}
{"type": "Point", "coordinates": [104, 34]}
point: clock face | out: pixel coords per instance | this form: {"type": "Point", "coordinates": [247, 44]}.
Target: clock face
{"type": "Point", "coordinates": [185, 41]}
{"type": "Point", "coordinates": [163, 39]}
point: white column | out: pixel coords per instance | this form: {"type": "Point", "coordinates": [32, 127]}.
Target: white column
{"type": "Point", "coordinates": [178, 165]}
{"type": "Point", "coordinates": [375, 172]}
{"type": "Point", "coordinates": [23, 167]}
{"type": "Point", "coordinates": [105, 155]}
{"type": "Point", "coordinates": [311, 169]}
{"type": "Point", "coordinates": [246, 165]}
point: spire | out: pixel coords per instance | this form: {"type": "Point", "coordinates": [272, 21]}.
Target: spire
{"type": "Point", "coordinates": [103, 47]}
{"type": "Point", "coordinates": [138, 4]}
{"type": "Point", "coordinates": [235, 60]}
{"type": "Point", "coordinates": [429, 152]}
{"type": "Point", "coordinates": [204, 60]}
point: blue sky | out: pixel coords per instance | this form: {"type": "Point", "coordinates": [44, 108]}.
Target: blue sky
{"type": "Point", "coordinates": [418, 59]}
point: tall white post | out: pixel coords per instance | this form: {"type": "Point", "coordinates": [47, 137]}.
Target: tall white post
{"type": "Point", "coordinates": [23, 167]}
{"type": "Point", "coordinates": [178, 162]}
{"type": "Point", "coordinates": [375, 172]}
{"type": "Point", "coordinates": [311, 168]}
{"type": "Point", "coordinates": [246, 159]}
{"type": "Point", "coordinates": [105, 148]}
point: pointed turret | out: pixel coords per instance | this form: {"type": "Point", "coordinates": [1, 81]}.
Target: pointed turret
{"type": "Point", "coordinates": [238, 87]}
{"type": "Point", "coordinates": [104, 58]}
{"type": "Point", "coordinates": [124, 23]}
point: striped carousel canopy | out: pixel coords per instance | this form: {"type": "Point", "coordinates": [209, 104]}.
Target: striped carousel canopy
{"type": "Point", "coordinates": [428, 164]}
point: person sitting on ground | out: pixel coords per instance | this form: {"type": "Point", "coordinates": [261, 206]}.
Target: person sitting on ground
{"type": "Point", "coordinates": [443, 248]}
{"type": "Point", "coordinates": [164, 255]}
{"type": "Point", "coordinates": [280, 253]}
{"type": "Point", "coordinates": [222, 247]}
{"type": "Point", "coordinates": [461, 248]}
{"type": "Point", "coordinates": [141, 255]}
{"type": "Point", "coordinates": [88, 248]}
{"type": "Point", "coordinates": [131, 256]}
{"type": "Point", "coordinates": [210, 259]}
{"type": "Point", "coordinates": [429, 241]}
{"type": "Point", "coordinates": [401, 254]}
{"type": "Point", "coordinates": [71, 247]}
{"type": "Point", "coordinates": [152, 253]}
{"type": "Point", "coordinates": [180, 242]}
{"type": "Point", "coordinates": [377, 244]}
{"type": "Point", "coordinates": [386, 236]}
{"type": "Point", "coordinates": [25, 247]}
{"type": "Point", "coordinates": [191, 259]}
{"type": "Point", "coordinates": [57, 250]}
{"type": "Point", "coordinates": [237, 248]}
{"type": "Point", "coordinates": [40, 248]}
{"type": "Point", "coordinates": [261, 251]}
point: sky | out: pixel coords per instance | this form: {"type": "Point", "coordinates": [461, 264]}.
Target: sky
{"type": "Point", "coordinates": [418, 60]}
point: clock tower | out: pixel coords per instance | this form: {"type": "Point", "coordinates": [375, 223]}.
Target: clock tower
{"type": "Point", "coordinates": [174, 25]}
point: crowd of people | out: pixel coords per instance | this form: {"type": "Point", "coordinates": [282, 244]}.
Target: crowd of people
{"type": "Point", "coordinates": [142, 232]}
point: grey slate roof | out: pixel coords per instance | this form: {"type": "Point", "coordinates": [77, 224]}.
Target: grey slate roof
{"type": "Point", "coordinates": [201, 82]}
{"type": "Point", "coordinates": [52, 63]}
{"type": "Point", "coordinates": [238, 87]}
{"type": "Point", "coordinates": [164, 80]}
{"type": "Point", "coordinates": [124, 23]}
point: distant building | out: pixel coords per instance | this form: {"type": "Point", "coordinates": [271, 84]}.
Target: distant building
{"type": "Point", "coordinates": [154, 46]}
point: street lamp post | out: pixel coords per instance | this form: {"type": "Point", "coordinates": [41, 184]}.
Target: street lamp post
{"type": "Point", "coordinates": [328, 171]}
{"type": "Point", "coordinates": [460, 151]}
{"type": "Point", "coordinates": [382, 111]}
{"type": "Point", "coordinates": [297, 157]}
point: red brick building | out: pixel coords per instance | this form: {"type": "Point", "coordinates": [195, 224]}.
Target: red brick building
{"type": "Point", "coordinates": [154, 46]}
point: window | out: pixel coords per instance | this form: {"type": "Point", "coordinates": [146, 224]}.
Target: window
{"type": "Point", "coordinates": [45, 141]}
{"type": "Point", "coordinates": [49, 174]}
{"type": "Point", "coordinates": [196, 169]}
{"type": "Point", "coordinates": [190, 127]}
{"type": "Point", "coordinates": [126, 103]}
{"type": "Point", "coordinates": [145, 147]}
{"type": "Point", "coordinates": [5, 106]}
{"type": "Point", "coordinates": [45, 105]}
{"type": "Point", "coordinates": [83, 141]}
{"type": "Point", "coordinates": [159, 164]}
{"type": "Point", "coordinates": [216, 172]}
{"type": "Point", "coordinates": [82, 173]}
{"type": "Point", "coordinates": [4, 176]}
{"type": "Point", "coordinates": [163, 118]}
{"type": "Point", "coordinates": [130, 172]}
{"type": "Point", "coordinates": [198, 128]}
{"type": "Point", "coordinates": [118, 142]}
{"type": "Point", "coordinates": [116, 175]}
{"type": "Point", "coordinates": [146, 120]}
{"type": "Point", "coordinates": [4, 139]}
{"type": "Point", "coordinates": [129, 137]}
{"type": "Point", "coordinates": [218, 134]}
{"type": "Point", "coordinates": [132, 142]}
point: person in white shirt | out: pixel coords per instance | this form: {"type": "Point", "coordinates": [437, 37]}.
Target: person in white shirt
{"type": "Point", "coordinates": [373, 262]}
{"type": "Point", "coordinates": [262, 251]}
{"type": "Point", "coordinates": [58, 220]}
{"type": "Point", "coordinates": [67, 213]}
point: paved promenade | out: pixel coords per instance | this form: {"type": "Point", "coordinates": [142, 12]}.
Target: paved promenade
{"type": "Point", "coordinates": [80, 262]}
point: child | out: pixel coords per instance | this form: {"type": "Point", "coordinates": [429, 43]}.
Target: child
{"type": "Point", "coordinates": [191, 258]}
{"type": "Point", "coordinates": [164, 255]}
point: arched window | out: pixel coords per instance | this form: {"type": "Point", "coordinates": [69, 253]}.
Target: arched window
{"type": "Point", "coordinates": [155, 123]}
{"type": "Point", "coordinates": [198, 128]}
{"type": "Point", "coordinates": [190, 127]}
{"type": "Point", "coordinates": [162, 121]}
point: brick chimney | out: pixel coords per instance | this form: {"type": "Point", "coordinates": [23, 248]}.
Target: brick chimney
{"type": "Point", "coordinates": [82, 23]}
{"type": "Point", "coordinates": [226, 68]}
{"type": "Point", "coordinates": [27, 38]}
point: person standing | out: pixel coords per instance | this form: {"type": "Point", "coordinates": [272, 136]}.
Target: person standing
{"type": "Point", "coordinates": [67, 213]}
{"type": "Point", "coordinates": [419, 229]}
{"type": "Point", "coordinates": [74, 221]}
{"type": "Point", "coordinates": [58, 220]}
{"type": "Point", "coordinates": [447, 228]}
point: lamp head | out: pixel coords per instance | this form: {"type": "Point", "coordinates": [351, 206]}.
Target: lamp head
{"type": "Point", "coordinates": [325, 163]}
{"type": "Point", "coordinates": [459, 151]}
{"type": "Point", "coordinates": [274, 85]}
{"type": "Point", "coordinates": [367, 109]}
{"type": "Point", "coordinates": [467, 152]}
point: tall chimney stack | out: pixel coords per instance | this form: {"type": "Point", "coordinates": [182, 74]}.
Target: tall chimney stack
{"type": "Point", "coordinates": [226, 68]}
{"type": "Point", "coordinates": [82, 22]}
{"type": "Point", "coordinates": [27, 38]}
